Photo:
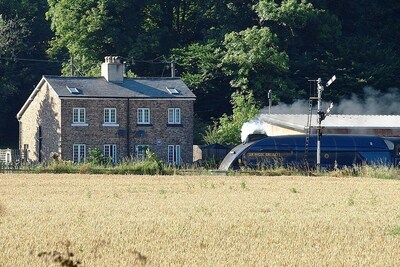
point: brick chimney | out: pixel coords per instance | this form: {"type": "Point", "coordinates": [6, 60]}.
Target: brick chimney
{"type": "Point", "coordinates": [113, 69]}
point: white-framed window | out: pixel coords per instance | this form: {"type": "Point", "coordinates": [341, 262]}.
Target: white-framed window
{"type": "Point", "coordinates": [110, 153]}
{"type": "Point", "coordinates": [79, 116]}
{"type": "Point", "coordinates": [79, 153]}
{"type": "Point", "coordinates": [140, 151]}
{"type": "Point", "coordinates": [174, 154]}
{"type": "Point", "coordinates": [174, 116]}
{"type": "Point", "coordinates": [110, 116]}
{"type": "Point", "coordinates": [143, 116]}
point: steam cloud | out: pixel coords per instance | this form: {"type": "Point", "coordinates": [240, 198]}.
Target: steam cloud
{"type": "Point", "coordinates": [373, 102]}
{"type": "Point", "coordinates": [253, 127]}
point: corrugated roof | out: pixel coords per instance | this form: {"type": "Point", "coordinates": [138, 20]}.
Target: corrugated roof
{"type": "Point", "coordinates": [133, 88]}
{"type": "Point", "coordinates": [299, 121]}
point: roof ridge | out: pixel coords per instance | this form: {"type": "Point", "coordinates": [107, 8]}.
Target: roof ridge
{"type": "Point", "coordinates": [70, 77]}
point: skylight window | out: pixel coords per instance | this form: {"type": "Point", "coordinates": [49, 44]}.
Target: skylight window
{"type": "Point", "coordinates": [73, 90]}
{"type": "Point", "coordinates": [172, 90]}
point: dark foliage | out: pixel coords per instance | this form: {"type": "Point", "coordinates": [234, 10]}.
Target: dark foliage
{"type": "Point", "coordinates": [300, 41]}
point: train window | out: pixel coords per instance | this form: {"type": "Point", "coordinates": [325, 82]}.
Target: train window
{"type": "Point", "coordinates": [389, 144]}
{"type": "Point", "coordinates": [398, 150]}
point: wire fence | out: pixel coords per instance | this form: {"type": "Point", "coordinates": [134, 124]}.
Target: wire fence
{"type": "Point", "coordinates": [9, 160]}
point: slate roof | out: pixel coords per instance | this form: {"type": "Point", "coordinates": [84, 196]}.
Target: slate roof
{"type": "Point", "coordinates": [132, 88]}
{"type": "Point", "coordinates": [299, 121]}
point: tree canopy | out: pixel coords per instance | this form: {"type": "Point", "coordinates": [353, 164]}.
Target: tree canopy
{"type": "Point", "coordinates": [220, 47]}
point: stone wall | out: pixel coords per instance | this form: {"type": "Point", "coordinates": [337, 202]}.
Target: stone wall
{"type": "Point", "coordinates": [40, 126]}
{"type": "Point", "coordinates": [127, 134]}
{"type": "Point", "coordinates": [94, 135]}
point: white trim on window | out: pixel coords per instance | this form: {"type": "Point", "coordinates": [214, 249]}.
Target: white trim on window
{"type": "Point", "coordinates": [79, 153]}
{"type": "Point", "coordinates": [171, 154]}
{"type": "Point", "coordinates": [79, 117]}
{"type": "Point", "coordinates": [143, 116]}
{"type": "Point", "coordinates": [174, 116]}
{"type": "Point", "coordinates": [110, 152]}
{"type": "Point", "coordinates": [174, 154]}
{"type": "Point", "coordinates": [178, 155]}
{"type": "Point", "coordinates": [110, 117]}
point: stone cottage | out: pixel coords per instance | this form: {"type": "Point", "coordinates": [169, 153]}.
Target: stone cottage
{"type": "Point", "coordinates": [67, 116]}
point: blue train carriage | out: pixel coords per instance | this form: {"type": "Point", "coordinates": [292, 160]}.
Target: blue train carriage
{"type": "Point", "coordinates": [336, 151]}
{"type": "Point", "coordinates": [394, 146]}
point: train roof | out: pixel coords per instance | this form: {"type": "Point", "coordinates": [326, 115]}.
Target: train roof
{"type": "Point", "coordinates": [298, 121]}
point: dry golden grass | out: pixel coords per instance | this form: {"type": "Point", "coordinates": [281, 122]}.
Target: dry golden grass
{"type": "Point", "coordinates": [198, 221]}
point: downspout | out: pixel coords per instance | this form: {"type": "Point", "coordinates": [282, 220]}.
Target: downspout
{"type": "Point", "coordinates": [128, 129]}
{"type": "Point", "coordinates": [40, 144]}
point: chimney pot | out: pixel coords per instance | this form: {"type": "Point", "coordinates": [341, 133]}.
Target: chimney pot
{"type": "Point", "coordinates": [112, 69]}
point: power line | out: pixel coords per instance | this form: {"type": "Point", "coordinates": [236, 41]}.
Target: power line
{"type": "Point", "coordinates": [158, 60]}
{"type": "Point", "coordinates": [31, 59]}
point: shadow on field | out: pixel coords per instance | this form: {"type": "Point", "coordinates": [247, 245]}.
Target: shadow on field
{"type": "Point", "coordinates": [63, 258]}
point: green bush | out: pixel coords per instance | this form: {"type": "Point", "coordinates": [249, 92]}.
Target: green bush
{"type": "Point", "coordinates": [95, 157]}
{"type": "Point", "coordinates": [54, 167]}
{"type": "Point", "coordinates": [152, 165]}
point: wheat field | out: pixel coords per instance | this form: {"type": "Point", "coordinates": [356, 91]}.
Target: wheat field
{"type": "Point", "coordinates": [100, 220]}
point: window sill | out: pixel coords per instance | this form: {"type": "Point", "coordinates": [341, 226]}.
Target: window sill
{"type": "Point", "coordinates": [79, 124]}
{"type": "Point", "coordinates": [174, 125]}
{"type": "Point", "coordinates": [110, 124]}
{"type": "Point", "coordinates": [144, 124]}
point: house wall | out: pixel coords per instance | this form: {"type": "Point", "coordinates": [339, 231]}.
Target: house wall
{"type": "Point", "coordinates": [158, 135]}
{"type": "Point", "coordinates": [94, 135]}
{"type": "Point", "coordinates": [42, 115]}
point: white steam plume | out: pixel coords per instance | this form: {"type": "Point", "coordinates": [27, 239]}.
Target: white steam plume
{"type": "Point", "coordinates": [253, 127]}
{"type": "Point", "coordinates": [372, 102]}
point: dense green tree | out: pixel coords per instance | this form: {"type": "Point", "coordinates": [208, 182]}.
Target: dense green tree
{"type": "Point", "coordinates": [226, 16]}
{"type": "Point", "coordinates": [87, 30]}
{"type": "Point", "coordinates": [23, 42]}
{"type": "Point", "coordinates": [253, 60]}
{"type": "Point", "coordinates": [142, 31]}
{"type": "Point", "coordinates": [201, 72]}
{"type": "Point", "coordinates": [308, 35]}
{"type": "Point", "coordinates": [290, 14]}
{"type": "Point", "coordinates": [13, 33]}
{"type": "Point", "coordinates": [199, 65]}
{"type": "Point", "coordinates": [219, 46]}
{"type": "Point", "coordinates": [226, 130]}
{"type": "Point", "coordinates": [365, 52]}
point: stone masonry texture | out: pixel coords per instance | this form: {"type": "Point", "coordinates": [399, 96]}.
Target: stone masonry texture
{"type": "Point", "coordinates": [127, 134]}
